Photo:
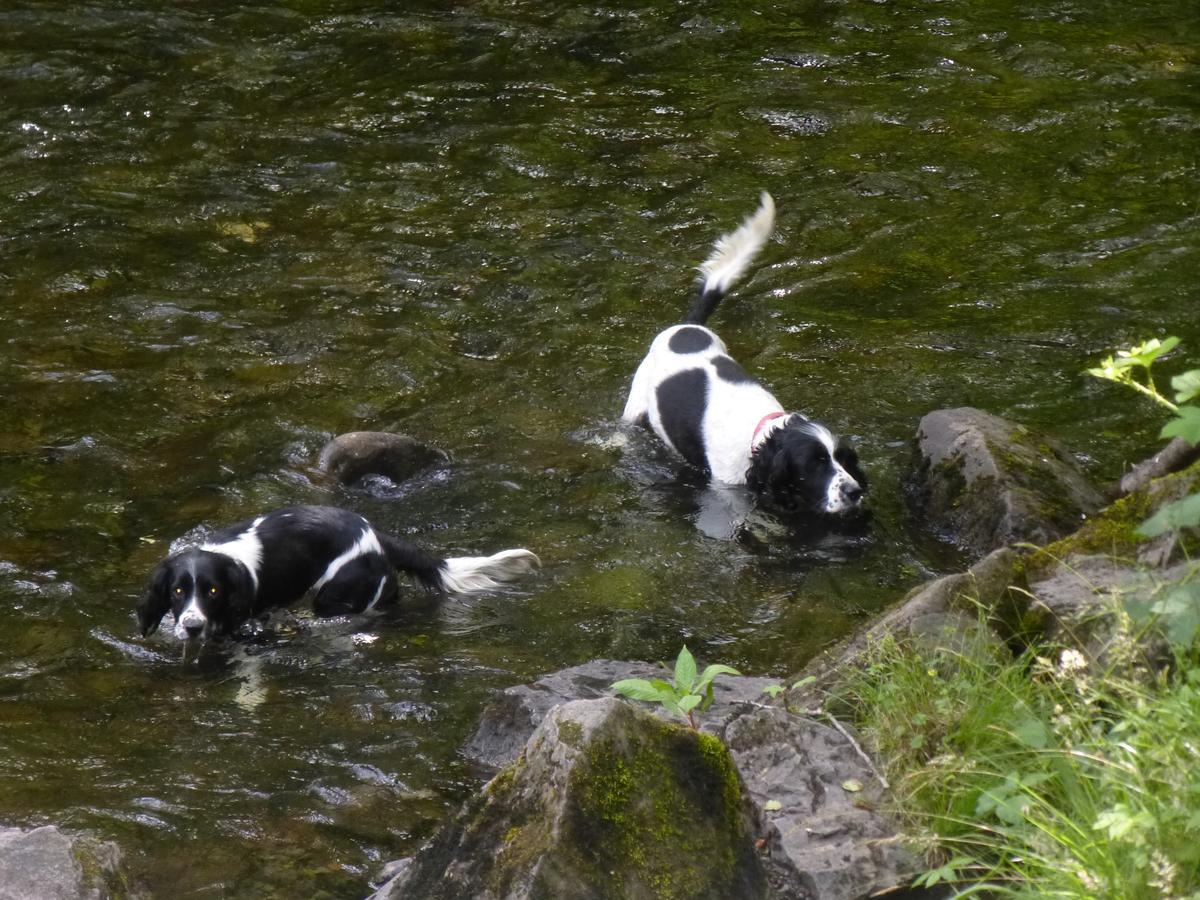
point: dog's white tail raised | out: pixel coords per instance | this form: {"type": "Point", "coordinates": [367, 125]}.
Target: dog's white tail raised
{"type": "Point", "coordinates": [731, 256]}
{"type": "Point", "coordinates": [465, 574]}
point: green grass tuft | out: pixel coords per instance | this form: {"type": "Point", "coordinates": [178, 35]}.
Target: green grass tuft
{"type": "Point", "coordinates": [1037, 777]}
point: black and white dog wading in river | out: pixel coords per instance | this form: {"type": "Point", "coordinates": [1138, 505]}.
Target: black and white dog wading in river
{"type": "Point", "coordinates": [271, 561]}
{"type": "Point", "coordinates": [705, 407]}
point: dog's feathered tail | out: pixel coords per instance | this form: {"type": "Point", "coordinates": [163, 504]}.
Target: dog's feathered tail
{"type": "Point", "coordinates": [458, 574]}
{"type": "Point", "coordinates": [731, 256]}
{"type": "Point", "coordinates": [463, 574]}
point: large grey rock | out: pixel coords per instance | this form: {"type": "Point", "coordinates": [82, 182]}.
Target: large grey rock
{"type": "Point", "coordinates": [827, 834]}
{"type": "Point", "coordinates": [513, 714]}
{"type": "Point", "coordinates": [984, 482]}
{"type": "Point", "coordinates": [349, 457]}
{"type": "Point", "coordinates": [605, 801]}
{"type": "Point", "coordinates": [823, 841]}
{"type": "Point", "coordinates": [46, 864]}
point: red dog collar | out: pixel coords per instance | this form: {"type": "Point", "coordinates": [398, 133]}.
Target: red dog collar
{"type": "Point", "coordinates": [762, 424]}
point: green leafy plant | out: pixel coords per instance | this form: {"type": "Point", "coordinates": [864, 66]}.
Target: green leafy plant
{"type": "Point", "coordinates": [1179, 607]}
{"type": "Point", "coordinates": [689, 693]}
{"type": "Point", "coordinates": [1134, 368]}
{"type": "Point", "coordinates": [1009, 801]}
{"type": "Point", "coordinates": [946, 874]}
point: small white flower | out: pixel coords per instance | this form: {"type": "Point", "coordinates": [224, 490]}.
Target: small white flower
{"type": "Point", "coordinates": [1164, 873]}
{"type": "Point", "coordinates": [1070, 661]}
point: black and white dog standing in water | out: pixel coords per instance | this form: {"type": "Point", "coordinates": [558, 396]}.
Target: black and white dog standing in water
{"type": "Point", "coordinates": [705, 407]}
{"type": "Point", "coordinates": [272, 561]}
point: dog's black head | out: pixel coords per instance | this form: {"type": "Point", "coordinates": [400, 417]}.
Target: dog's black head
{"type": "Point", "coordinates": [802, 466]}
{"type": "Point", "coordinates": [208, 593]}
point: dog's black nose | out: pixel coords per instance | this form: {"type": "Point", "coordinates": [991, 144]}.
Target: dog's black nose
{"type": "Point", "coordinates": [193, 631]}
{"type": "Point", "coordinates": [853, 494]}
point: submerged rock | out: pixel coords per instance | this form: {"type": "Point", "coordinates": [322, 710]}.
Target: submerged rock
{"type": "Point", "coordinates": [984, 482]}
{"type": "Point", "coordinates": [605, 801]}
{"type": "Point", "coordinates": [351, 456]}
{"type": "Point", "coordinates": [47, 864]}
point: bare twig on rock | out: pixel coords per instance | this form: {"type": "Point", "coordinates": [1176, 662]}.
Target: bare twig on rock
{"type": "Point", "coordinates": [1177, 454]}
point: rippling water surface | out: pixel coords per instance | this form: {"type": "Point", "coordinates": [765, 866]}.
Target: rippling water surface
{"type": "Point", "coordinates": [229, 232]}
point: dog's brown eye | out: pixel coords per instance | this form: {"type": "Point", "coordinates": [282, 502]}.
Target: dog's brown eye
{"type": "Point", "coordinates": [212, 591]}
{"type": "Point", "coordinates": [178, 592]}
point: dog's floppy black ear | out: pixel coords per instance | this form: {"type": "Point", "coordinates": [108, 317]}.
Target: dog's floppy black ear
{"type": "Point", "coordinates": [240, 599]}
{"type": "Point", "coordinates": [154, 605]}
{"type": "Point", "coordinates": [847, 456]}
{"type": "Point", "coordinates": [768, 466]}
{"type": "Point", "coordinates": [781, 476]}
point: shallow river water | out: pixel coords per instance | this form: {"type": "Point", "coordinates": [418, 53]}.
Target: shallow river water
{"type": "Point", "coordinates": [231, 231]}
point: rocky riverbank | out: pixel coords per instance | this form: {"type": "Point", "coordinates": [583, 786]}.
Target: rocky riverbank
{"type": "Point", "coordinates": [596, 797]}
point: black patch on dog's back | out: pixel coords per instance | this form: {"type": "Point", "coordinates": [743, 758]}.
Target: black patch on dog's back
{"type": "Point", "coordinates": [730, 371]}
{"type": "Point", "coordinates": [682, 400]}
{"type": "Point", "coordinates": [690, 340]}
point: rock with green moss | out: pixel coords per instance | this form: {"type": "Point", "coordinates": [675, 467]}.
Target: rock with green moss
{"type": "Point", "coordinates": [48, 864]}
{"type": "Point", "coordinates": [984, 482]}
{"type": "Point", "coordinates": [1113, 532]}
{"type": "Point", "coordinates": [1078, 586]}
{"type": "Point", "coordinates": [605, 802]}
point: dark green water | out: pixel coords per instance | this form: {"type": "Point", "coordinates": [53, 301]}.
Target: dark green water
{"type": "Point", "coordinates": [229, 232]}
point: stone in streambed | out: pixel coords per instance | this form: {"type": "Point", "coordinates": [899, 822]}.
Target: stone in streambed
{"type": "Point", "coordinates": [985, 482]}
{"type": "Point", "coordinates": [351, 456]}
{"type": "Point", "coordinates": [606, 800]}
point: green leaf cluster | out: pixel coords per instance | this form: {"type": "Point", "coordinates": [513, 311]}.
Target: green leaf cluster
{"type": "Point", "coordinates": [1009, 800]}
{"type": "Point", "coordinates": [1122, 368]}
{"type": "Point", "coordinates": [774, 690]}
{"type": "Point", "coordinates": [1134, 368]}
{"type": "Point", "coordinates": [689, 691]}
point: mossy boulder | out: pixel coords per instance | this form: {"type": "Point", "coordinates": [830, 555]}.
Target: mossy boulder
{"type": "Point", "coordinates": [1113, 532]}
{"type": "Point", "coordinates": [352, 456]}
{"type": "Point", "coordinates": [606, 801]}
{"type": "Point", "coordinates": [1079, 584]}
{"type": "Point", "coordinates": [48, 864]}
{"type": "Point", "coordinates": [815, 840]}
{"type": "Point", "coordinates": [983, 482]}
